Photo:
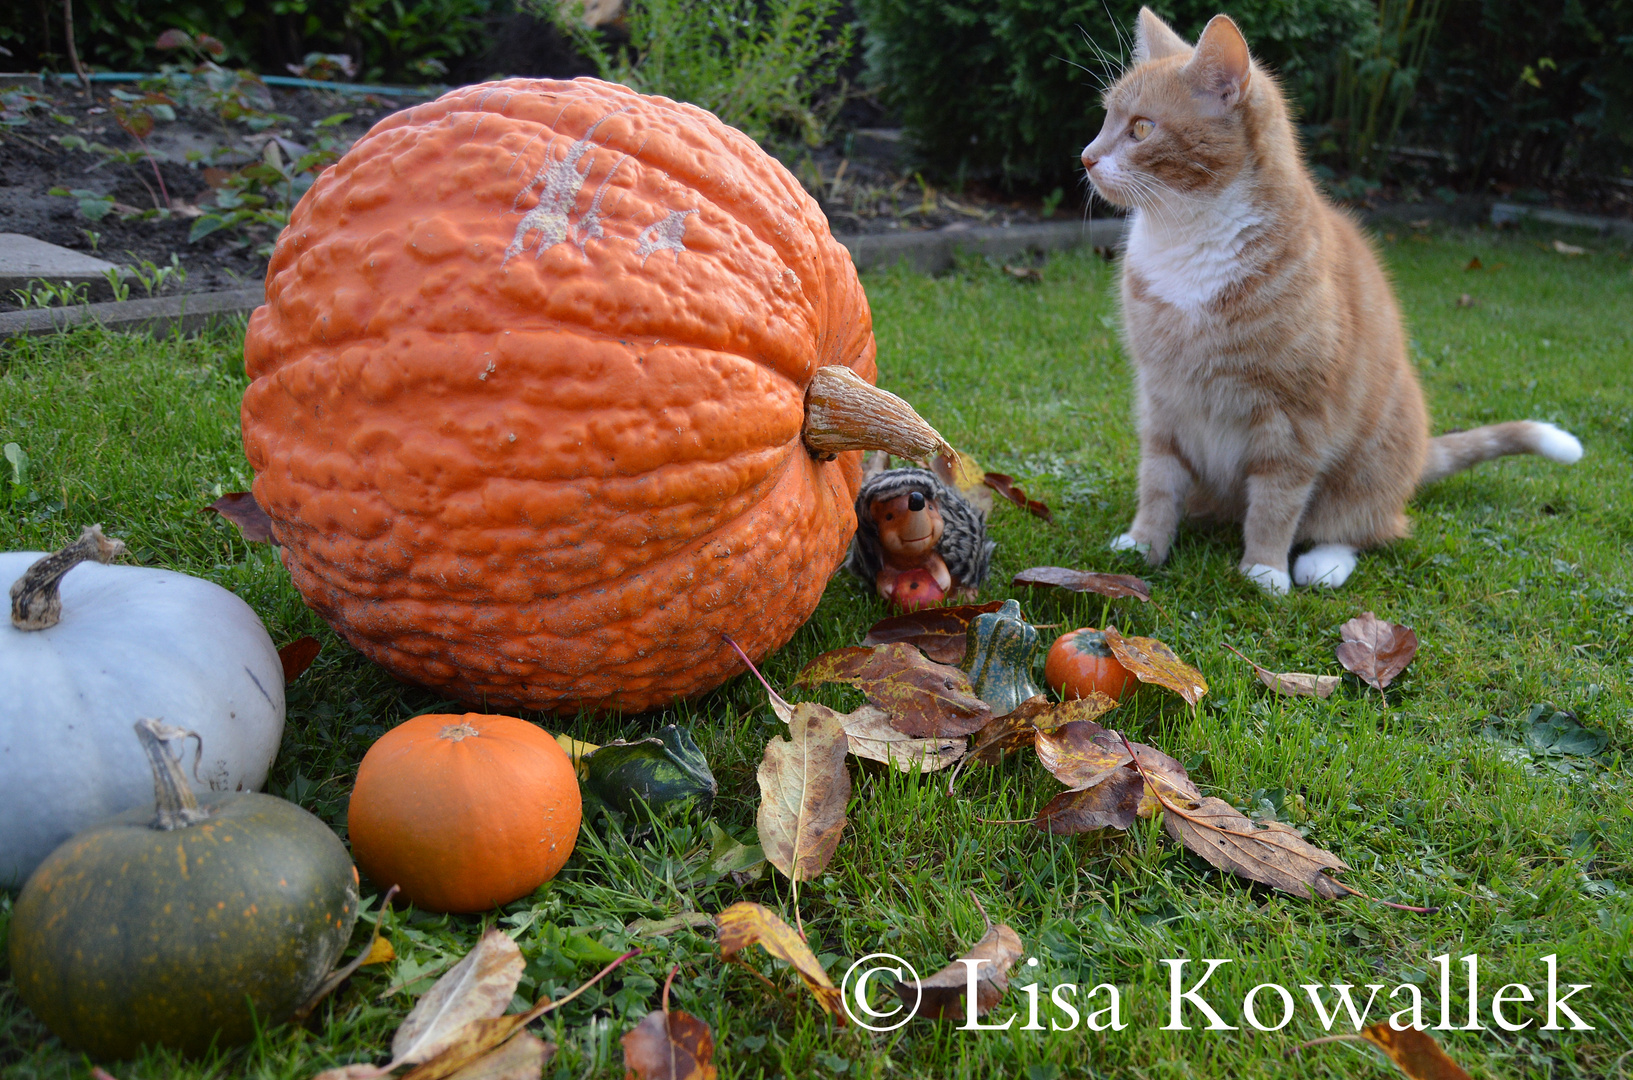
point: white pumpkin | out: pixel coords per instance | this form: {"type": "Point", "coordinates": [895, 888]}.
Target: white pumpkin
{"type": "Point", "coordinates": [132, 642]}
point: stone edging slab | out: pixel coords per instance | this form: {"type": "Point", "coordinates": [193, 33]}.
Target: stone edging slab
{"type": "Point", "coordinates": [185, 313]}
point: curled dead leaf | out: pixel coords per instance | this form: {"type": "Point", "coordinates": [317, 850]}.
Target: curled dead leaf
{"type": "Point", "coordinates": [670, 1045]}
{"type": "Point", "coordinates": [1414, 1052]}
{"type": "Point", "coordinates": [868, 734]}
{"type": "Point", "coordinates": [1376, 650]}
{"type": "Point", "coordinates": [297, 656]}
{"type": "Point", "coordinates": [804, 787]}
{"type": "Point", "coordinates": [1005, 485]}
{"type": "Point", "coordinates": [1113, 803]}
{"type": "Point", "coordinates": [240, 508]}
{"type": "Point", "coordinates": [1292, 683]}
{"type": "Point", "coordinates": [923, 698]}
{"type": "Point", "coordinates": [940, 632]}
{"type": "Point", "coordinates": [479, 987]}
{"type": "Point", "coordinates": [747, 923]}
{"type": "Point", "coordinates": [1154, 662]}
{"type": "Point", "coordinates": [1112, 585]}
{"type": "Point", "coordinates": [1274, 854]}
{"type": "Point", "coordinates": [942, 995]}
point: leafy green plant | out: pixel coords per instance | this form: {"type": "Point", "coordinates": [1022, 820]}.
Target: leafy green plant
{"type": "Point", "coordinates": [1373, 84]}
{"type": "Point", "coordinates": [92, 207]}
{"type": "Point", "coordinates": [204, 85]}
{"type": "Point", "coordinates": [260, 196]}
{"type": "Point", "coordinates": [39, 293]}
{"type": "Point", "coordinates": [766, 68]}
{"type": "Point", "coordinates": [151, 276]}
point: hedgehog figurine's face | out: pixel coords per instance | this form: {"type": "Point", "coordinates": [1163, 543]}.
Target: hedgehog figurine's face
{"type": "Point", "coordinates": [909, 526]}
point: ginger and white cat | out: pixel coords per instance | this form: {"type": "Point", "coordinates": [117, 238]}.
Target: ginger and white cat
{"type": "Point", "coordinates": [1271, 373]}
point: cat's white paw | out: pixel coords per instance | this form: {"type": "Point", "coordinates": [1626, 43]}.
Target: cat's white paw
{"type": "Point", "coordinates": [1126, 542]}
{"type": "Point", "coordinates": [1273, 581]}
{"type": "Point", "coordinates": [1555, 443]}
{"type": "Point", "coordinates": [1328, 565]}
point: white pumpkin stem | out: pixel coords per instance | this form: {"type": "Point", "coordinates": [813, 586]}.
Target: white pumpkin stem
{"type": "Point", "coordinates": [843, 411]}
{"type": "Point", "coordinates": [177, 807]}
{"type": "Point", "coordinates": [35, 603]}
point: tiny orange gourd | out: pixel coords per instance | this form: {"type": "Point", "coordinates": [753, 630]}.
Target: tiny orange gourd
{"type": "Point", "coordinates": [464, 813]}
{"type": "Point", "coordinates": [1080, 663]}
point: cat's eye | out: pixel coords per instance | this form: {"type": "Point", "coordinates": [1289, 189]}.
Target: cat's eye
{"type": "Point", "coordinates": [1140, 129]}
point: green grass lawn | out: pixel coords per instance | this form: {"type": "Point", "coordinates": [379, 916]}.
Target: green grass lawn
{"type": "Point", "coordinates": [1517, 580]}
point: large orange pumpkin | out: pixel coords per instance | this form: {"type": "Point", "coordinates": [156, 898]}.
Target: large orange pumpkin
{"type": "Point", "coordinates": [464, 813]}
{"type": "Point", "coordinates": [529, 389]}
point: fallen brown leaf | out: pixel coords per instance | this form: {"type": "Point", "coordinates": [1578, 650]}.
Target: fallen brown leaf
{"type": "Point", "coordinates": [804, 786]}
{"type": "Point", "coordinates": [1414, 1052]}
{"type": "Point", "coordinates": [1376, 650]}
{"type": "Point", "coordinates": [1113, 803]}
{"type": "Point", "coordinates": [1081, 754]}
{"type": "Point", "coordinates": [1292, 683]}
{"type": "Point", "coordinates": [669, 1046]}
{"type": "Point", "coordinates": [522, 1057]}
{"type": "Point", "coordinates": [1113, 585]}
{"type": "Point", "coordinates": [1569, 249]}
{"type": "Point", "coordinates": [923, 698]}
{"type": "Point", "coordinates": [1005, 486]}
{"type": "Point", "coordinates": [1474, 264]}
{"type": "Point", "coordinates": [297, 656]}
{"type": "Point", "coordinates": [941, 632]}
{"type": "Point", "coordinates": [1151, 661]}
{"type": "Point", "coordinates": [941, 996]}
{"type": "Point", "coordinates": [868, 734]}
{"type": "Point", "coordinates": [747, 923]}
{"type": "Point", "coordinates": [1465, 300]}
{"type": "Point", "coordinates": [240, 508]}
{"type": "Point", "coordinates": [1274, 855]}
{"type": "Point", "coordinates": [479, 987]}
{"type": "Point", "coordinates": [1023, 273]}
{"type": "Point", "coordinates": [1020, 726]}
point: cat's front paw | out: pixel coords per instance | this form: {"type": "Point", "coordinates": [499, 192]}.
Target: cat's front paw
{"type": "Point", "coordinates": [1328, 565]}
{"type": "Point", "coordinates": [1126, 542]}
{"type": "Point", "coordinates": [1273, 581]}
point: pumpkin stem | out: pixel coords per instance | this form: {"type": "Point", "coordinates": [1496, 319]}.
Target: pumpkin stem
{"type": "Point", "coordinates": [35, 604]}
{"type": "Point", "coordinates": [843, 411]}
{"type": "Point", "coordinates": [174, 799]}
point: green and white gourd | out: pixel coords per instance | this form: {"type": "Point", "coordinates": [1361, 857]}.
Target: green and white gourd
{"type": "Point", "coordinates": [87, 651]}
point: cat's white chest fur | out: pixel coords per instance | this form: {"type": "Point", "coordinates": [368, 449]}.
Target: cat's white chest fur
{"type": "Point", "coordinates": [1188, 250]}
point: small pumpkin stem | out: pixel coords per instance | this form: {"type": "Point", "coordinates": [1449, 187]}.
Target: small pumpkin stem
{"type": "Point", "coordinates": [843, 411]}
{"type": "Point", "coordinates": [174, 800]}
{"type": "Point", "coordinates": [35, 603]}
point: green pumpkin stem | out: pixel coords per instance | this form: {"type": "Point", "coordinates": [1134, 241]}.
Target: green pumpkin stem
{"type": "Point", "coordinates": [35, 603]}
{"type": "Point", "coordinates": [175, 802]}
{"type": "Point", "coordinates": [843, 411]}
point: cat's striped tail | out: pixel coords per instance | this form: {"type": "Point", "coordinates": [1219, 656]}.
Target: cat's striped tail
{"type": "Point", "coordinates": [1454, 452]}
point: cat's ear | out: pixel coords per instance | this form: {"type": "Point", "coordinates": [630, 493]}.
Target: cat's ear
{"type": "Point", "coordinates": [1154, 39]}
{"type": "Point", "coordinates": [1220, 69]}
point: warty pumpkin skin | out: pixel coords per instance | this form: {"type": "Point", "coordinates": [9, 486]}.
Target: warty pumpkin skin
{"type": "Point", "coordinates": [129, 935]}
{"type": "Point", "coordinates": [464, 813]}
{"type": "Point", "coordinates": [528, 391]}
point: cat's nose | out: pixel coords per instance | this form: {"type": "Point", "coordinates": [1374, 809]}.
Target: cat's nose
{"type": "Point", "coordinates": [1089, 161]}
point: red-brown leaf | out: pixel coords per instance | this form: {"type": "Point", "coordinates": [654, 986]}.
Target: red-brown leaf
{"type": "Point", "coordinates": [1376, 650]}
{"type": "Point", "coordinates": [298, 655]}
{"type": "Point", "coordinates": [240, 508]}
{"type": "Point", "coordinates": [1154, 662]}
{"type": "Point", "coordinates": [924, 699]}
{"type": "Point", "coordinates": [943, 992]}
{"type": "Point", "coordinates": [1005, 486]}
{"type": "Point", "coordinates": [1113, 803]}
{"type": "Point", "coordinates": [941, 632]}
{"type": "Point", "coordinates": [669, 1046]}
{"type": "Point", "coordinates": [1113, 585]}
{"type": "Point", "coordinates": [1414, 1052]}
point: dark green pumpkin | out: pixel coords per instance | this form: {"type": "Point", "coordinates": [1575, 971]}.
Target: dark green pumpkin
{"type": "Point", "coordinates": [1000, 650]}
{"type": "Point", "coordinates": [130, 934]}
{"type": "Point", "coordinates": [664, 774]}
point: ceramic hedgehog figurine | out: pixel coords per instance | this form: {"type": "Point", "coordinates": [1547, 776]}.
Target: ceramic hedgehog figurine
{"type": "Point", "coordinates": [917, 539]}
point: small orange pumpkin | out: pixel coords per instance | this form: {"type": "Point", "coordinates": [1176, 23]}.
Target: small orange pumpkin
{"type": "Point", "coordinates": [464, 813]}
{"type": "Point", "coordinates": [1080, 663]}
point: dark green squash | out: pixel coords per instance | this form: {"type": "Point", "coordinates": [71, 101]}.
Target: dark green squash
{"type": "Point", "coordinates": [1001, 648]}
{"type": "Point", "coordinates": [183, 928]}
{"type": "Point", "coordinates": [664, 775]}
